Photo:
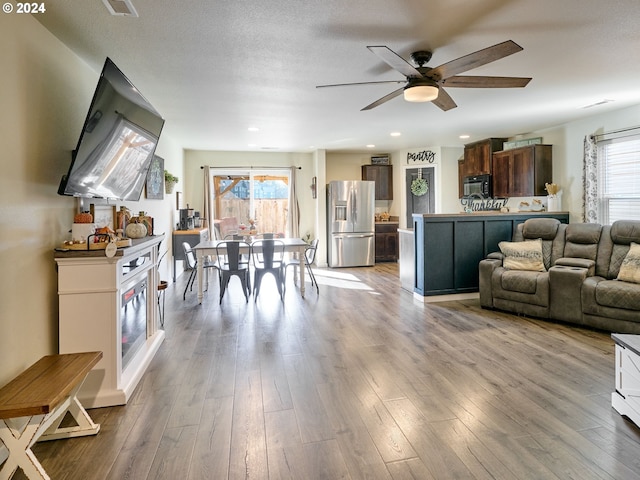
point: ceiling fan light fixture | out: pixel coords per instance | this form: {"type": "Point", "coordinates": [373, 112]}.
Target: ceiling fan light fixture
{"type": "Point", "coordinates": [420, 92]}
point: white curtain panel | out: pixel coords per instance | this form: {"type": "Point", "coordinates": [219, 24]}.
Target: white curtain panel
{"type": "Point", "coordinates": [208, 208]}
{"type": "Point", "coordinates": [294, 208]}
{"type": "Point", "coordinates": [590, 181]}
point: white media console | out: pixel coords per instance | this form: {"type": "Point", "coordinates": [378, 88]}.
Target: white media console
{"type": "Point", "coordinates": [110, 305]}
{"type": "Point", "coordinates": [626, 399]}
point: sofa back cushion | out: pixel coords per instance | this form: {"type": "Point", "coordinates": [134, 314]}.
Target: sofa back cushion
{"type": "Point", "coordinates": [551, 232]}
{"type": "Point", "coordinates": [581, 240]}
{"type": "Point", "coordinates": [614, 246]}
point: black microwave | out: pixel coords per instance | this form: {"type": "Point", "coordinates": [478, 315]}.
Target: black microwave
{"type": "Point", "coordinates": [477, 184]}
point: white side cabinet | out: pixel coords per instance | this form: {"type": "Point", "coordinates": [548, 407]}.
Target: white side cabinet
{"type": "Point", "coordinates": [110, 305]}
{"type": "Point", "coordinates": [626, 399]}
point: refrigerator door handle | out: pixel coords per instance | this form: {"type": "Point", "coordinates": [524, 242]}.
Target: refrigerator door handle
{"type": "Point", "coordinates": [354, 206]}
{"type": "Point", "coordinates": [351, 235]}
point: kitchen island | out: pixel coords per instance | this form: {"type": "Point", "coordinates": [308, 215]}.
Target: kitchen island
{"type": "Point", "coordinates": [448, 247]}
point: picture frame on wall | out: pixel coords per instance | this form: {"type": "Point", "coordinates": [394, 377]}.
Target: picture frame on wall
{"type": "Point", "coordinates": [155, 179]}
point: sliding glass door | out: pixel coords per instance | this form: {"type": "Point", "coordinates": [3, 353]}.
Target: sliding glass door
{"type": "Point", "coordinates": [244, 196]}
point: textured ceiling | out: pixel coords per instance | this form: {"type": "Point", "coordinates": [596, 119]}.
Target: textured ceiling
{"type": "Point", "coordinates": [215, 68]}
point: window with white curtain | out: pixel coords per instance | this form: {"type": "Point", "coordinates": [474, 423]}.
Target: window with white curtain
{"type": "Point", "coordinates": [619, 179]}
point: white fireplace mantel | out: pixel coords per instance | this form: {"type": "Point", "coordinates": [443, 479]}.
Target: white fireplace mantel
{"type": "Point", "coordinates": [91, 311]}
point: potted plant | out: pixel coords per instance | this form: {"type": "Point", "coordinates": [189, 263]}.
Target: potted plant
{"type": "Point", "coordinates": [169, 181]}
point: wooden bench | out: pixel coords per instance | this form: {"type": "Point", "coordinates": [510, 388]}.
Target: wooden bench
{"type": "Point", "coordinates": [34, 404]}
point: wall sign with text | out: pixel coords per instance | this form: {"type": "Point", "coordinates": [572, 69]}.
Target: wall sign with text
{"type": "Point", "coordinates": [426, 156]}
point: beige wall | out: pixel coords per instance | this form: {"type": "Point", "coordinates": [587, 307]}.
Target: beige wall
{"type": "Point", "coordinates": [45, 95]}
{"type": "Point", "coordinates": [568, 144]}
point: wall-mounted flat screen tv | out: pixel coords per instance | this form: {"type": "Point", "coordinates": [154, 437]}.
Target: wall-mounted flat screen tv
{"type": "Point", "coordinates": [117, 141]}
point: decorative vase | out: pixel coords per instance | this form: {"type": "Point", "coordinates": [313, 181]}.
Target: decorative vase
{"type": "Point", "coordinates": [554, 203]}
{"type": "Point", "coordinates": [123, 218]}
{"type": "Point", "coordinates": [168, 186]}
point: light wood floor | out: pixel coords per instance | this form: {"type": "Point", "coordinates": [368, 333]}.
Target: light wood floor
{"type": "Point", "coordinates": [361, 381]}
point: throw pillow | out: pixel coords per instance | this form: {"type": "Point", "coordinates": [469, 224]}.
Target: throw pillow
{"type": "Point", "coordinates": [525, 255]}
{"type": "Point", "coordinates": [630, 268]}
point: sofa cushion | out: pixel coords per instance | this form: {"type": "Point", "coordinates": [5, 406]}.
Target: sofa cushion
{"type": "Point", "coordinates": [630, 268]}
{"type": "Point", "coordinates": [616, 294]}
{"type": "Point", "coordinates": [525, 255]}
{"type": "Point", "coordinates": [544, 228]}
{"type": "Point", "coordinates": [623, 232]}
{"type": "Point", "coordinates": [582, 240]}
{"type": "Point", "coordinates": [519, 281]}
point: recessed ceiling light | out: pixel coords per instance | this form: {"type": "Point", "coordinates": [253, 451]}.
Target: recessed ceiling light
{"type": "Point", "coordinates": [253, 129]}
{"type": "Point", "coordinates": [371, 146]}
{"type": "Point", "coordinates": [464, 137]}
{"type": "Point", "coordinates": [395, 134]}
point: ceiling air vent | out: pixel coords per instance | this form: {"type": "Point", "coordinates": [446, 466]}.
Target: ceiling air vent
{"type": "Point", "coordinates": [120, 8]}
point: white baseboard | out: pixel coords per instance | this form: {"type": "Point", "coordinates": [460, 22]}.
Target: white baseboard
{"type": "Point", "coordinates": [446, 298]}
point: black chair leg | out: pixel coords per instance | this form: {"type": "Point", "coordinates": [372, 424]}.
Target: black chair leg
{"type": "Point", "coordinates": [224, 281]}
{"type": "Point", "coordinates": [192, 276]}
{"type": "Point", "coordinates": [243, 281]}
{"type": "Point", "coordinates": [257, 280]}
{"type": "Point", "coordinates": [313, 278]}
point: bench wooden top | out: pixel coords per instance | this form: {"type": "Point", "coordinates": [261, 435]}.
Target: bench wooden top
{"type": "Point", "coordinates": [45, 384]}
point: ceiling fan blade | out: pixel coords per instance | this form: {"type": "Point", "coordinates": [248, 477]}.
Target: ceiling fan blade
{"type": "Point", "coordinates": [475, 60]}
{"type": "Point", "coordinates": [444, 102]}
{"type": "Point", "coordinates": [460, 81]}
{"type": "Point", "coordinates": [395, 61]}
{"type": "Point", "coordinates": [384, 99]}
{"type": "Point", "coordinates": [361, 83]}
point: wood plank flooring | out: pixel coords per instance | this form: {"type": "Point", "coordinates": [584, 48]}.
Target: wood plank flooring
{"type": "Point", "coordinates": [360, 381]}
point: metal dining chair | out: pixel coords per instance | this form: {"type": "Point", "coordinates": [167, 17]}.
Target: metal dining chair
{"type": "Point", "coordinates": [268, 257]}
{"type": "Point", "coordinates": [192, 266]}
{"type": "Point", "coordinates": [231, 262]}
{"type": "Point", "coordinates": [309, 258]}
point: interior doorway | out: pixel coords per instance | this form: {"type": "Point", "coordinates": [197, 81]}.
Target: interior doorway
{"type": "Point", "coordinates": [422, 203]}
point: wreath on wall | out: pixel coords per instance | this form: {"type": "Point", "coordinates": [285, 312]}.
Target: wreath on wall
{"type": "Point", "coordinates": [419, 186]}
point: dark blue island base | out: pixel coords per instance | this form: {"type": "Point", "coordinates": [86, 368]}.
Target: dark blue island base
{"type": "Point", "coordinates": [448, 247]}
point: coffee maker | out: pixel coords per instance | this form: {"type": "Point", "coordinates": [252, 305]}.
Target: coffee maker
{"type": "Point", "coordinates": [186, 218]}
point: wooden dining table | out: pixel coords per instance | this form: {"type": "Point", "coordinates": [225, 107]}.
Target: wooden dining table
{"type": "Point", "coordinates": [296, 246]}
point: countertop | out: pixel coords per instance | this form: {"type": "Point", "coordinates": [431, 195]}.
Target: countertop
{"type": "Point", "coordinates": [136, 245]}
{"type": "Point", "coordinates": [484, 213]}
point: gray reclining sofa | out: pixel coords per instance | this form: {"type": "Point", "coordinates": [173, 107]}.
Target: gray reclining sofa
{"type": "Point", "coordinates": [577, 277]}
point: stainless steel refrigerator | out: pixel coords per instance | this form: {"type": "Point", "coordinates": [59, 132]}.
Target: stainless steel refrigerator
{"type": "Point", "coordinates": [350, 223]}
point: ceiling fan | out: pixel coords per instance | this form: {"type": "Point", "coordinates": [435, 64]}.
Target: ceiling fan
{"type": "Point", "coordinates": [425, 84]}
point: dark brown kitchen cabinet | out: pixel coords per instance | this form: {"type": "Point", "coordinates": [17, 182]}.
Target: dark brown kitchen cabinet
{"type": "Point", "coordinates": [383, 176]}
{"type": "Point", "coordinates": [386, 235]}
{"type": "Point", "coordinates": [477, 159]}
{"type": "Point", "coordinates": [522, 172]}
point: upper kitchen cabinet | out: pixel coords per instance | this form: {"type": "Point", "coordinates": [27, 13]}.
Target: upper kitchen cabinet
{"type": "Point", "coordinates": [522, 172]}
{"type": "Point", "coordinates": [477, 159]}
{"type": "Point", "coordinates": [383, 176]}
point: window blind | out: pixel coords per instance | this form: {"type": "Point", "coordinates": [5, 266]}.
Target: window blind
{"type": "Point", "coordinates": [619, 179]}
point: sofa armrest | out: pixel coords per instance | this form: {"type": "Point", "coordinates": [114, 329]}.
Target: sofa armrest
{"type": "Point", "coordinates": [496, 256]}
{"type": "Point", "coordinates": [565, 288]}
{"type": "Point", "coordinates": [485, 272]}
{"type": "Point", "coordinates": [585, 263]}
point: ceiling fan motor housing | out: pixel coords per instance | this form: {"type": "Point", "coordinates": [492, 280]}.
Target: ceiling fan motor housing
{"type": "Point", "coordinates": [421, 57]}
